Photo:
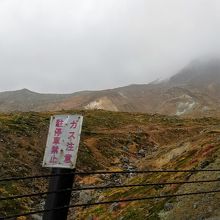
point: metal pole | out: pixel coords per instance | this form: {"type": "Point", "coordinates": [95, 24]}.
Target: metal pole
{"type": "Point", "coordinates": [61, 199]}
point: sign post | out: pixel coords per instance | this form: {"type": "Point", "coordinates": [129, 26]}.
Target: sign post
{"type": "Point", "coordinates": [61, 154]}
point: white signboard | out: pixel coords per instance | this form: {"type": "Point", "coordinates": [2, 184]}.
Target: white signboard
{"type": "Point", "coordinates": [63, 141]}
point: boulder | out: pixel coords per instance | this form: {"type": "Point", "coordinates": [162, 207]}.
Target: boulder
{"type": "Point", "coordinates": [141, 152]}
{"type": "Point", "coordinates": [168, 206]}
{"type": "Point", "coordinates": [115, 206]}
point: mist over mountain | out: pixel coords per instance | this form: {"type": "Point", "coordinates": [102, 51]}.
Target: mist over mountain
{"type": "Point", "coordinates": [192, 91]}
{"type": "Point", "coordinates": [198, 73]}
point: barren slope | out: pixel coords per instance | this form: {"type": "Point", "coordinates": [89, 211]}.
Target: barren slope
{"type": "Point", "coordinates": [191, 92]}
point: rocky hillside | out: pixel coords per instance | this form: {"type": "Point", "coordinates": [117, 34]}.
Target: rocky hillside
{"type": "Point", "coordinates": [191, 92]}
{"type": "Point", "coordinates": [117, 141]}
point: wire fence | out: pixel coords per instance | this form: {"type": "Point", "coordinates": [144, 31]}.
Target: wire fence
{"type": "Point", "coordinates": [108, 172]}
{"type": "Point", "coordinates": [110, 202]}
{"type": "Point", "coordinates": [105, 187]}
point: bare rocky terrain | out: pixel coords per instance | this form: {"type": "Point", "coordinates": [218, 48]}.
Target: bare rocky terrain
{"type": "Point", "coordinates": [191, 92]}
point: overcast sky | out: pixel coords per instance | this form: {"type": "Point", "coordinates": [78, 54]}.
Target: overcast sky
{"type": "Point", "coordinates": [70, 45]}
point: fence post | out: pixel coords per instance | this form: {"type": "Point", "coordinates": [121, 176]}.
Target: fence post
{"type": "Point", "coordinates": [56, 200]}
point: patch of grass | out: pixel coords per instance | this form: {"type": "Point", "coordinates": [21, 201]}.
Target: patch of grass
{"type": "Point", "coordinates": [184, 160]}
{"type": "Point", "coordinates": [154, 211]}
{"type": "Point", "coordinates": [86, 160]}
{"type": "Point", "coordinates": [132, 213]}
{"type": "Point", "coordinates": [14, 206]}
{"type": "Point", "coordinates": [99, 210]}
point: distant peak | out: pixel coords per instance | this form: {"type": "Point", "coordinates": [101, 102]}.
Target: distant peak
{"type": "Point", "coordinates": [200, 71]}
{"type": "Point", "coordinates": [205, 61]}
{"type": "Point", "coordinates": [24, 90]}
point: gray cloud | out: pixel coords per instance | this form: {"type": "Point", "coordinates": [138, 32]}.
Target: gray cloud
{"type": "Point", "coordinates": [71, 45]}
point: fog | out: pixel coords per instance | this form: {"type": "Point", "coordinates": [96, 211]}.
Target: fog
{"type": "Point", "coordinates": [63, 46]}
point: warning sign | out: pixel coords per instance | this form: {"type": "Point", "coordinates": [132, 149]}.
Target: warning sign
{"type": "Point", "coordinates": [63, 141]}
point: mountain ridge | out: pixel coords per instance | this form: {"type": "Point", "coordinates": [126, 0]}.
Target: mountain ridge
{"type": "Point", "coordinates": [192, 91]}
